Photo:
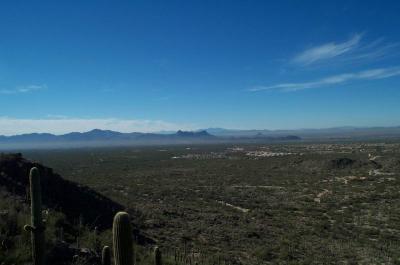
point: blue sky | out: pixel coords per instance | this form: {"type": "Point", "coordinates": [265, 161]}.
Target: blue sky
{"type": "Point", "coordinates": [167, 65]}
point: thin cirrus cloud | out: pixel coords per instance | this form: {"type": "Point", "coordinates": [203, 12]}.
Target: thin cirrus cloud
{"type": "Point", "coordinates": [372, 74]}
{"type": "Point", "coordinates": [64, 124]}
{"type": "Point", "coordinates": [327, 51]}
{"type": "Point", "coordinates": [23, 89]}
{"type": "Point", "coordinates": [355, 49]}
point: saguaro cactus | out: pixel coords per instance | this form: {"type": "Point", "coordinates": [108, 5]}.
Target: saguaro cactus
{"type": "Point", "coordinates": [157, 256]}
{"type": "Point", "coordinates": [106, 256]}
{"type": "Point", "coordinates": [36, 227]}
{"type": "Point", "coordinates": [122, 239]}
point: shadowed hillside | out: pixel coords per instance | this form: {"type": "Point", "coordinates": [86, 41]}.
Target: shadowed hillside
{"type": "Point", "coordinates": [73, 200]}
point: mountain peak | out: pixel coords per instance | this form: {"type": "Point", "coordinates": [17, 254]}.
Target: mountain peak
{"type": "Point", "coordinates": [202, 133]}
{"type": "Point", "coordinates": [99, 131]}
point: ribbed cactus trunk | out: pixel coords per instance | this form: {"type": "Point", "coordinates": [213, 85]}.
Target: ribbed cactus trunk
{"type": "Point", "coordinates": [36, 228]}
{"type": "Point", "coordinates": [157, 256]}
{"type": "Point", "coordinates": [106, 256]}
{"type": "Point", "coordinates": [122, 239]}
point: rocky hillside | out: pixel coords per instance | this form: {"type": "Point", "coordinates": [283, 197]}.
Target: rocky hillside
{"type": "Point", "coordinates": [77, 218]}
{"type": "Point", "coordinates": [75, 201]}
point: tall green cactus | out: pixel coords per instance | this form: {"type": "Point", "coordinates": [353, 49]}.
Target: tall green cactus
{"type": "Point", "coordinates": [122, 239]}
{"type": "Point", "coordinates": [157, 256]}
{"type": "Point", "coordinates": [36, 227]}
{"type": "Point", "coordinates": [106, 256]}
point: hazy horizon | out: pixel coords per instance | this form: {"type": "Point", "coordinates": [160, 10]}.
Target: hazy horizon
{"type": "Point", "coordinates": [199, 129]}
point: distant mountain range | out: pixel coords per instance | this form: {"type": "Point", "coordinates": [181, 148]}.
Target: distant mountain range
{"type": "Point", "coordinates": [98, 137]}
{"type": "Point", "coordinates": [103, 135]}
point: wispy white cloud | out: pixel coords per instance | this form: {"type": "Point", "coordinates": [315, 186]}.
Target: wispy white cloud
{"type": "Point", "coordinates": [371, 74]}
{"type": "Point", "coordinates": [13, 126]}
{"type": "Point", "coordinates": [56, 116]}
{"type": "Point", "coordinates": [327, 51]}
{"type": "Point", "coordinates": [23, 89]}
{"type": "Point", "coordinates": [354, 50]}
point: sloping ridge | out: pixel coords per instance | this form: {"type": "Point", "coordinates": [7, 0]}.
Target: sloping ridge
{"type": "Point", "coordinates": [73, 200]}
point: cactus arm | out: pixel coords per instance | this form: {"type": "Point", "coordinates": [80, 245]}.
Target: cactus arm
{"type": "Point", "coordinates": [106, 256]}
